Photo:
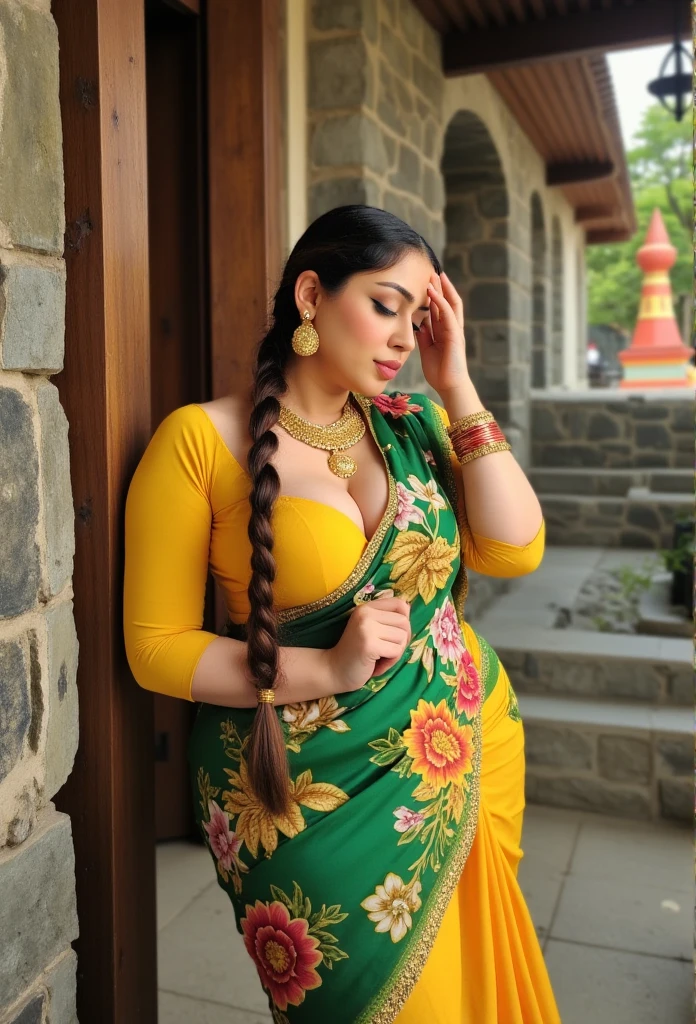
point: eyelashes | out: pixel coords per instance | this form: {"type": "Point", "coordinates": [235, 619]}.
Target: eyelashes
{"type": "Point", "coordinates": [384, 311]}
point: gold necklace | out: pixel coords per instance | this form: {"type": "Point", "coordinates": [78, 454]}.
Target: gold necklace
{"type": "Point", "coordinates": [333, 437]}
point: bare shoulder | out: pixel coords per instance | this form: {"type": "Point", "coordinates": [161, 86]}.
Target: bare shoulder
{"type": "Point", "coordinates": [230, 416]}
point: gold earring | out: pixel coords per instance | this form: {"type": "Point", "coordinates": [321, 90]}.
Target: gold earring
{"type": "Point", "coordinates": [305, 340]}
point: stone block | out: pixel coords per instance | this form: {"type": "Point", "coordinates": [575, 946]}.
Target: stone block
{"type": "Point", "coordinates": [495, 344]}
{"type": "Point", "coordinates": [490, 301]}
{"type": "Point", "coordinates": [430, 134]}
{"type": "Point", "coordinates": [462, 222]}
{"type": "Point", "coordinates": [38, 916]}
{"type": "Point", "coordinates": [15, 703]}
{"type": "Point", "coordinates": [489, 259]}
{"type": "Point", "coordinates": [355, 15]}
{"type": "Point", "coordinates": [407, 176]}
{"type": "Point", "coordinates": [636, 539]}
{"type": "Point", "coordinates": [682, 418]}
{"type": "Point", "coordinates": [681, 685]}
{"type": "Point", "coordinates": [393, 50]}
{"type": "Point", "coordinates": [624, 759]}
{"type": "Point", "coordinates": [493, 202]}
{"type": "Point", "coordinates": [32, 194]}
{"type": "Point", "coordinates": [62, 986]}
{"type": "Point", "coordinates": [32, 1012]}
{"type": "Point", "coordinates": [348, 140]}
{"type": "Point", "coordinates": [19, 506]}
{"type": "Point", "coordinates": [324, 195]}
{"type": "Point", "coordinates": [652, 435]}
{"type": "Point", "coordinates": [677, 799]}
{"type": "Point", "coordinates": [649, 412]}
{"type": "Point", "coordinates": [643, 516]}
{"type": "Point", "coordinates": [587, 794]}
{"type": "Point", "coordinates": [675, 755]}
{"type": "Point", "coordinates": [339, 73]}
{"type": "Point", "coordinates": [59, 517]}
{"type": "Point", "coordinates": [32, 318]}
{"type": "Point", "coordinates": [601, 427]}
{"type": "Point", "coordinates": [545, 426]}
{"type": "Point", "coordinates": [62, 729]}
{"type": "Point", "coordinates": [430, 83]}
{"type": "Point", "coordinates": [433, 190]}
{"type": "Point", "coordinates": [557, 746]}
{"type": "Point", "coordinates": [396, 204]}
{"type": "Point", "coordinates": [569, 456]}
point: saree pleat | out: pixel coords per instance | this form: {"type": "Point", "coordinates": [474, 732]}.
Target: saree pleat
{"type": "Point", "coordinates": [486, 965]}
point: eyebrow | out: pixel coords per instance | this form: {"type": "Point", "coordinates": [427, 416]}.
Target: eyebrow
{"type": "Point", "coordinates": [403, 291]}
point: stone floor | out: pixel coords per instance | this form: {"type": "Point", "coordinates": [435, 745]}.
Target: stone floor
{"type": "Point", "coordinates": [612, 902]}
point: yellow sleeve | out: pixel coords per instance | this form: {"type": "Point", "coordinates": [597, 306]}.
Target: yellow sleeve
{"type": "Point", "coordinates": [486, 555]}
{"type": "Point", "coordinates": [168, 519]}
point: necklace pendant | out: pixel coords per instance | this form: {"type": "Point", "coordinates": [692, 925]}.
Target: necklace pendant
{"type": "Point", "coordinates": [342, 465]}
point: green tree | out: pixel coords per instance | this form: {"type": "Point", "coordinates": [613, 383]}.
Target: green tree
{"type": "Point", "coordinates": [659, 166]}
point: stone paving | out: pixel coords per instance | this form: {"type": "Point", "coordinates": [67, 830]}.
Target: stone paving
{"type": "Point", "coordinates": [612, 902]}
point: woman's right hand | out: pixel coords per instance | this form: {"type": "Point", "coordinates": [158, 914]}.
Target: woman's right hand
{"type": "Point", "coordinates": [374, 639]}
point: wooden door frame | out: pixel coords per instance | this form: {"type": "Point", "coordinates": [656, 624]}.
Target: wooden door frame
{"type": "Point", "coordinates": [105, 391]}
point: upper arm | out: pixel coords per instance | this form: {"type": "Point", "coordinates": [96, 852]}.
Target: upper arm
{"type": "Point", "coordinates": [486, 555]}
{"type": "Point", "coordinates": [168, 519]}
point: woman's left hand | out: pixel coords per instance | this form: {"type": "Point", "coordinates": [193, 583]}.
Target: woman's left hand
{"type": "Point", "coordinates": [441, 337]}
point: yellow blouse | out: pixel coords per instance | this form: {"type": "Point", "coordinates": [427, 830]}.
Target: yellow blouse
{"type": "Point", "coordinates": [187, 510]}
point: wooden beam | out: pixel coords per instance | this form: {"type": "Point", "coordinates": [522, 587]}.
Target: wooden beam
{"type": "Point", "coordinates": [585, 214]}
{"type": "Point", "coordinates": [245, 181]}
{"type": "Point", "coordinates": [105, 392]}
{"type": "Point", "coordinates": [607, 236]}
{"type": "Point", "coordinates": [644, 23]}
{"type": "Point", "coordinates": [579, 172]}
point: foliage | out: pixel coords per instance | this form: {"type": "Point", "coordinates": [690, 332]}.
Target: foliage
{"type": "Point", "coordinates": [659, 170]}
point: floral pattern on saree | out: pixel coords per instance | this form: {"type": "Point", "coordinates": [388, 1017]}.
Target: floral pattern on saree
{"type": "Point", "coordinates": [287, 942]}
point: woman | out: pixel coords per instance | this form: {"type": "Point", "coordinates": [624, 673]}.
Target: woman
{"type": "Point", "coordinates": [357, 756]}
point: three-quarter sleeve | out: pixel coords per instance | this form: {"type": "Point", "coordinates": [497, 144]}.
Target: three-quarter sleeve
{"type": "Point", "coordinates": [486, 555]}
{"type": "Point", "coordinates": [168, 519]}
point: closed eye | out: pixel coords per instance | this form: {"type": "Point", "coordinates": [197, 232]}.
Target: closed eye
{"type": "Point", "coordinates": [385, 311]}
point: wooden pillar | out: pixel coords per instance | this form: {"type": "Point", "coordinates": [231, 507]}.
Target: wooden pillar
{"type": "Point", "coordinates": [245, 180]}
{"type": "Point", "coordinates": [105, 391]}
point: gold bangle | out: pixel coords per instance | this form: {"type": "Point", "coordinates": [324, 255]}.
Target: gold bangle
{"type": "Point", "coordinates": [471, 420]}
{"type": "Point", "coordinates": [486, 449]}
{"type": "Point", "coordinates": [265, 696]}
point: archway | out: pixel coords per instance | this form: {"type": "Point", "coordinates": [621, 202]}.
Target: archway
{"type": "Point", "coordinates": [487, 259]}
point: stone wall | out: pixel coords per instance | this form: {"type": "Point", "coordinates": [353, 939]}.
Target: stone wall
{"type": "Point", "coordinates": [38, 643]}
{"type": "Point", "coordinates": [613, 429]}
{"type": "Point", "coordinates": [386, 128]}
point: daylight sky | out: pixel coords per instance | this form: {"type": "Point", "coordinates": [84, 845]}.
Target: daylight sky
{"type": "Point", "coordinates": [631, 70]}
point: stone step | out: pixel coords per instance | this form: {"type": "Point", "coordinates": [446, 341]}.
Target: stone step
{"type": "Point", "coordinates": [576, 663]}
{"type": "Point", "coordinates": [611, 483]}
{"type": "Point", "coordinates": [637, 520]}
{"type": "Point", "coordinates": [621, 759]}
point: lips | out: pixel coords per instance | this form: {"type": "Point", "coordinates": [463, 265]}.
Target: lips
{"type": "Point", "coordinates": [388, 369]}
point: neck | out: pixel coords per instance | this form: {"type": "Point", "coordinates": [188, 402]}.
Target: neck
{"type": "Point", "coordinates": [311, 397]}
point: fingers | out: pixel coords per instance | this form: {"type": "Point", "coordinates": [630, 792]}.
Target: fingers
{"type": "Point", "coordinates": [390, 604]}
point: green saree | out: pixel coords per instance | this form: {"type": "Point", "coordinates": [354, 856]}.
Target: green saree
{"type": "Point", "coordinates": [339, 902]}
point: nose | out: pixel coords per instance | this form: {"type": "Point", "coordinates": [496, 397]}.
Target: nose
{"type": "Point", "coordinates": [404, 339]}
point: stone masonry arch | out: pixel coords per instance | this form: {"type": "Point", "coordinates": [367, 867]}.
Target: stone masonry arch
{"type": "Point", "coordinates": [491, 271]}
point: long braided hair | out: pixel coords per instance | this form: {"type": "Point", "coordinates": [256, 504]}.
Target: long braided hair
{"type": "Point", "coordinates": [345, 241]}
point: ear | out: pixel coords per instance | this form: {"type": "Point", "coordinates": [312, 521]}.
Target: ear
{"type": "Point", "coordinates": [307, 289]}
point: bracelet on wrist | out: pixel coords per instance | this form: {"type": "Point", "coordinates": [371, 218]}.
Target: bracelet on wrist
{"type": "Point", "coordinates": [476, 435]}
